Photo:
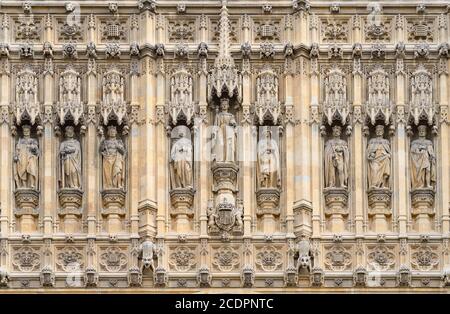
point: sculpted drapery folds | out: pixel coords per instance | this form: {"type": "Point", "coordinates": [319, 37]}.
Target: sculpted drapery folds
{"type": "Point", "coordinates": [26, 170]}
{"type": "Point", "coordinates": [224, 134]}
{"type": "Point", "coordinates": [70, 152]}
{"type": "Point", "coordinates": [181, 159]}
{"type": "Point", "coordinates": [336, 160]}
{"type": "Point", "coordinates": [379, 160]}
{"type": "Point", "coordinates": [268, 171]}
{"type": "Point", "coordinates": [423, 161]}
{"type": "Point", "coordinates": [113, 152]}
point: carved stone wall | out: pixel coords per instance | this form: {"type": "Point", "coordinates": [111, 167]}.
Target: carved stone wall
{"type": "Point", "coordinates": [203, 144]}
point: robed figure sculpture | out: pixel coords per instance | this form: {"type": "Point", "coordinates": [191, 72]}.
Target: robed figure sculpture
{"type": "Point", "coordinates": [336, 161]}
{"type": "Point", "coordinates": [181, 159]}
{"type": "Point", "coordinates": [113, 153]}
{"type": "Point", "coordinates": [423, 161]}
{"type": "Point", "coordinates": [70, 152]}
{"type": "Point", "coordinates": [224, 134]}
{"type": "Point", "coordinates": [379, 160]}
{"type": "Point", "coordinates": [26, 169]}
{"type": "Point", "coordinates": [268, 171]}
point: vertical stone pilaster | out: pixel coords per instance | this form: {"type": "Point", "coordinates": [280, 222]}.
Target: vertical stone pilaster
{"type": "Point", "coordinates": [401, 157]}
{"type": "Point", "coordinates": [443, 146]}
{"type": "Point", "coordinates": [48, 158]}
{"type": "Point", "coordinates": [358, 150]}
{"type": "Point", "coordinates": [161, 156]}
{"type": "Point", "coordinates": [5, 153]}
{"type": "Point", "coordinates": [91, 179]}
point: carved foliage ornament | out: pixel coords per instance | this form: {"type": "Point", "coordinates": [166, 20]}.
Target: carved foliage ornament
{"type": "Point", "coordinates": [182, 258]}
{"type": "Point", "coordinates": [381, 258]}
{"type": "Point", "coordinates": [113, 105]}
{"type": "Point", "coordinates": [70, 105]}
{"type": "Point", "coordinates": [378, 103]}
{"type": "Point", "coordinates": [70, 259]}
{"type": "Point", "coordinates": [226, 258]}
{"type": "Point", "coordinates": [422, 96]}
{"type": "Point", "coordinates": [336, 106]}
{"type": "Point", "coordinates": [27, 104]}
{"type": "Point", "coordinates": [26, 259]}
{"type": "Point", "coordinates": [181, 106]}
{"type": "Point", "coordinates": [424, 258]}
{"type": "Point", "coordinates": [269, 258]}
{"type": "Point", "coordinates": [338, 258]}
{"type": "Point", "coordinates": [113, 259]}
{"type": "Point", "coordinates": [267, 105]}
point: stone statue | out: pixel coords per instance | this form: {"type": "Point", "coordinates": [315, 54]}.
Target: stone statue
{"type": "Point", "coordinates": [181, 159]}
{"type": "Point", "coordinates": [268, 171]}
{"type": "Point", "coordinates": [70, 151]}
{"type": "Point", "coordinates": [113, 152]}
{"type": "Point", "coordinates": [26, 170]}
{"type": "Point", "coordinates": [224, 134]}
{"type": "Point", "coordinates": [304, 257]}
{"type": "Point", "coordinates": [423, 161]}
{"type": "Point", "coordinates": [147, 252]}
{"type": "Point", "coordinates": [336, 160]}
{"type": "Point", "coordinates": [379, 160]}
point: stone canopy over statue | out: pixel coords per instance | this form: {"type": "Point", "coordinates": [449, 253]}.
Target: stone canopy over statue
{"type": "Point", "coordinates": [70, 152]}
{"type": "Point", "coordinates": [224, 134]}
{"type": "Point", "coordinates": [268, 171]}
{"type": "Point", "coordinates": [26, 168]}
{"type": "Point", "coordinates": [336, 160]}
{"type": "Point", "coordinates": [423, 161]}
{"type": "Point", "coordinates": [379, 160]}
{"type": "Point", "coordinates": [113, 165]}
{"type": "Point", "coordinates": [181, 158]}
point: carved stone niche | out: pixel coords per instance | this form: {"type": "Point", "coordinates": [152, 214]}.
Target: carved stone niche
{"type": "Point", "coordinates": [336, 168]}
{"type": "Point", "coordinates": [423, 177]}
{"type": "Point", "coordinates": [70, 191]}
{"type": "Point", "coordinates": [267, 105]}
{"type": "Point", "coordinates": [379, 171]}
{"type": "Point", "coordinates": [181, 105]}
{"type": "Point", "coordinates": [113, 166]}
{"type": "Point", "coordinates": [181, 179]}
{"type": "Point", "coordinates": [268, 178]}
{"type": "Point", "coordinates": [26, 177]}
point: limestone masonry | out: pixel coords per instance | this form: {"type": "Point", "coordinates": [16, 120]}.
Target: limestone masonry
{"type": "Point", "coordinates": [239, 145]}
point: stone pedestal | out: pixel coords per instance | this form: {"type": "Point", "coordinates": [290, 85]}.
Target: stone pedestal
{"type": "Point", "coordinates": [336, 211]}
{"type": "Point", "coordinates": [27, 212]}
{"type": "Point", "coordinates": [379, 209]}
{"type": "Point", "coordinates": [113, 209]}
{"type": "Point", "coordinates": [422, 209]}
{"type": "Point", "coordinates": [268, 200]}
{"type": "Point", "coordinates": [182, 213]}
{"type": "Point", "coordinates": [70, 211]}
{"type": "Point", "coordinates": [223, 212]}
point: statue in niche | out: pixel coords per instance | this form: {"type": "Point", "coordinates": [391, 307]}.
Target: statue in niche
{"type": "Point", "coordinates": [379, 158]}
{"type": "Point", "coordinates": [181, 158]}
{"type": "Point", "coordinates": [336, 160]}
{"type": "Point", "coordinates": [423, 161]}
{"type": "Point", "coordinates": [224, 134]}
{"type": "Point", "coordinates": [268, 171]}
{"type": "Point", "coordinates": [70, 151]}
{"type": "Point", "coordinates": [26, 170]}
{"type": "Point", "coordinates": [113, 152]}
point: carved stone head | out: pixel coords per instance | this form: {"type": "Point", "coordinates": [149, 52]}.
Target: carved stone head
{"type": "Point", "coordinates": [337, 130]}
{"type": "Point", "coordinates": [379, 130]}
{"type": "Point", "coordinates": [70, 131]}
{"type": "Point", "coordinates": [26, 6]}
{"type": "Point", "coordinates": [224, 104]}
{"type": "Point", "coordinates": [70, 6]}
{"type": "Point", "coordinates": [26, 129]}
{"type": "Point", "coordinates": [304, 261]}
{"type": "Point", "coordinates": [112, 131]}
{"type": "Point", "coordinates": [113, 7]}
{"type": "Point", "coordinates": [422, 130]}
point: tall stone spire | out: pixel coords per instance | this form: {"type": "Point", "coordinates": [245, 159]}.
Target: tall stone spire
{"type": "Point", "coordinates": [224, 80]}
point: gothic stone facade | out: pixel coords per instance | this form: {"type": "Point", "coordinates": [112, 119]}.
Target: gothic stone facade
{"type": "Point", "coordinates": [298, 145]}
